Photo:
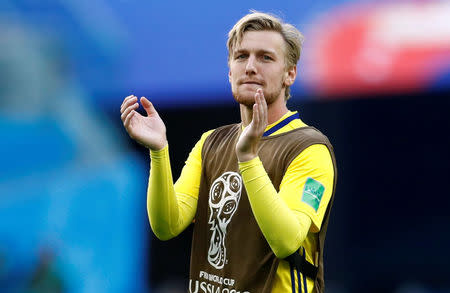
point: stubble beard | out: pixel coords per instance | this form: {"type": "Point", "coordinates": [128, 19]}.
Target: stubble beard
{"type": "Point", "coordinates": [248, 101]}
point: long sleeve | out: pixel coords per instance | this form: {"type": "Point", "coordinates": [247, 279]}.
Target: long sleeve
{"type": "Point", "coordinates": [286, 217]}
{"type": "Point", "coordinates": [283, 228]}
{"type": "Point", "coordinates": [172, 207]}
{"type": "Point", "coordinates": [169, 213]}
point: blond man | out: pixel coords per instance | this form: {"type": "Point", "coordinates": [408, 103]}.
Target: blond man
{"type": "Point", "coordinates": [260, 191]}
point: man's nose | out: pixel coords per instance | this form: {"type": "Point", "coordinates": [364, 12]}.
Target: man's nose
{"type": "Point", "coordinates": [250, 68]}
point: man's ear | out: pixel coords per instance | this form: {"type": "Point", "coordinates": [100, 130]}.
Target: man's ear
{"type": "Point", "coordinates": [291, 74]}
{"type": "Point", "coordinates": [229, 76]}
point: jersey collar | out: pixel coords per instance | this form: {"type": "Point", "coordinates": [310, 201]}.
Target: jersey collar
{"type": "Point", "coordinates": [281, 123]}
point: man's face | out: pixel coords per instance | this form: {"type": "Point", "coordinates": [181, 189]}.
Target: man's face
{"type": "Point", "coordinates": [259, 62]}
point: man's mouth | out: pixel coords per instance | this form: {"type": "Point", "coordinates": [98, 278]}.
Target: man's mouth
{"type": "Point", "coordinates": [252, 82]}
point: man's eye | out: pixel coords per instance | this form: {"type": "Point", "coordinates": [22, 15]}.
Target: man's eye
{"type": "Point", "coordinates": [241, 56]}
{"type": "Point", "coordinates": [267, 57]}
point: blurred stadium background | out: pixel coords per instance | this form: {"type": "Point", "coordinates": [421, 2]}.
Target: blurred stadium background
{"type": "Point", "coordinates": [374, 76]}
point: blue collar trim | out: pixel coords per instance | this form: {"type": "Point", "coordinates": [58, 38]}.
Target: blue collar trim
{"type": "Point", "coordinates": [281, 124]}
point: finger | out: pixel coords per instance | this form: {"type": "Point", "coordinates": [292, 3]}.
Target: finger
{"type": "Point", "coordinates": [130, 100]}
{"type": "Point", "coordinates": [260, 98]}
{"type": "Point", "coordinates": [255, 117]}
{"type": "Point", "coordinates": [127, 101]}
{"type": "Point", "coordinates": [130, 115]}
{"type": "Point", "coordinates": [128, 110]}
{"type": "Point", "coordinates": [128, 97]}
{"type": "Point", "coordinates": [260, 102]}
{"type": "Point", "coordinates": [264, 108]}
{"type": "Point", "coordinates": [148, 106]}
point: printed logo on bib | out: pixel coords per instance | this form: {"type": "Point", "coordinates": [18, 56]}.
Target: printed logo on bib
{"type": "Point", "coordinates": [312, 193]}
{"type": "Point", "coordinates": [224, 197]}
{"type": "Point", "coordinates": [210, 283]}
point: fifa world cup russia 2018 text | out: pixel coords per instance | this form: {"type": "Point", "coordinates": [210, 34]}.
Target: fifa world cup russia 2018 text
{"type": "Point", "coordinates": [206, 286]}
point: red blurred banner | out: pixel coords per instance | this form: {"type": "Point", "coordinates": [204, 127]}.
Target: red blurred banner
{"type": "Point", "coordinates": [379, 48]}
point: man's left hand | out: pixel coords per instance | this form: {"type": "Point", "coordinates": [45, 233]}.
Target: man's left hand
{"type": "Point", "coordinates": [247, 145]}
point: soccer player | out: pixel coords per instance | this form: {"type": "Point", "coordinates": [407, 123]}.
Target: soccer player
{"type": "Point", "coordinates": [260, 191]}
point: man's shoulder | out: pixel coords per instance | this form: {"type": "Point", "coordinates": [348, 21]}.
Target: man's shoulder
{"type": "Point", "coordinates": [221, 137]}
{"type": "Point", "coordinates": [303, 133]}
{"type": "Point", "coordinates": [228, 127]}
{"type": "Point", "coordinates": [295, 141]}
{"type": "Point", "coordinates": [224, 130]}
{"type": "Point", "coordinates": [311, 136]}
{"type": "Point", "coordinates": [312, 132]}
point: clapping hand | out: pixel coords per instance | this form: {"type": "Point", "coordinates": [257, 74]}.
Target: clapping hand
{"type": "Point", "coordinates": [149, 130]}
{"type": "Point", "coordinates": [247, 145]}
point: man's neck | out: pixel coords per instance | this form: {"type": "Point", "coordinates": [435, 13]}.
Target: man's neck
{"type": "Point", "coordinates": [275, 111]}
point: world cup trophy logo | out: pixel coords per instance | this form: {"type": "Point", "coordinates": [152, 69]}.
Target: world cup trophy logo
{"type": "Point", "coordinates": [224, 197]}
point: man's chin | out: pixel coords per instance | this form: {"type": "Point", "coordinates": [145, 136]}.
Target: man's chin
{"type": "Point", "coordinates": [245, 100]}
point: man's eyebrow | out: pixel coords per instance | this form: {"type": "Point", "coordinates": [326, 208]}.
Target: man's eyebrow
{"type": "Point", "coordinates": [259, 51]}
{"type": "Point", "coordinates": [272, 52]}
{"type": "Point", "coordinates": [240, 51]}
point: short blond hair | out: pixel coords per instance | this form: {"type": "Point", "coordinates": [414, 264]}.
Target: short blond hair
{"type": "Point", "coordinates": [259, 21]}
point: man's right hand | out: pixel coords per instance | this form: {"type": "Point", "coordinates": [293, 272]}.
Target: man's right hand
{"type": "Point", "coordinates": [149, 130]}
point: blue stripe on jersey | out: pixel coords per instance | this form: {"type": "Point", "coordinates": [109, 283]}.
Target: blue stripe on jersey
{"type": "Point", "coordinates": [299, 282]}
{"type": "Point", "coordinates": [304, 283]}
{"type": "Point", "coordinates": [304, 277]}
{"type": "Point", "coordinates": [281, 124]}
{"type": "Point", "coordinates": [292, 278]}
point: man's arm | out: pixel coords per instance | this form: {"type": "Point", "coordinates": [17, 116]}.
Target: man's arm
{"type": "Point", "coordinates": [171, 208]}
{"type": "Point", "coordinates": [283, 226]}
{"type": "Point", "coordinates": [169, 214]}
{"type": "Point", "coordinates": [283, 217]}
{"type": "Point", "coordinates": [169, 211]}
